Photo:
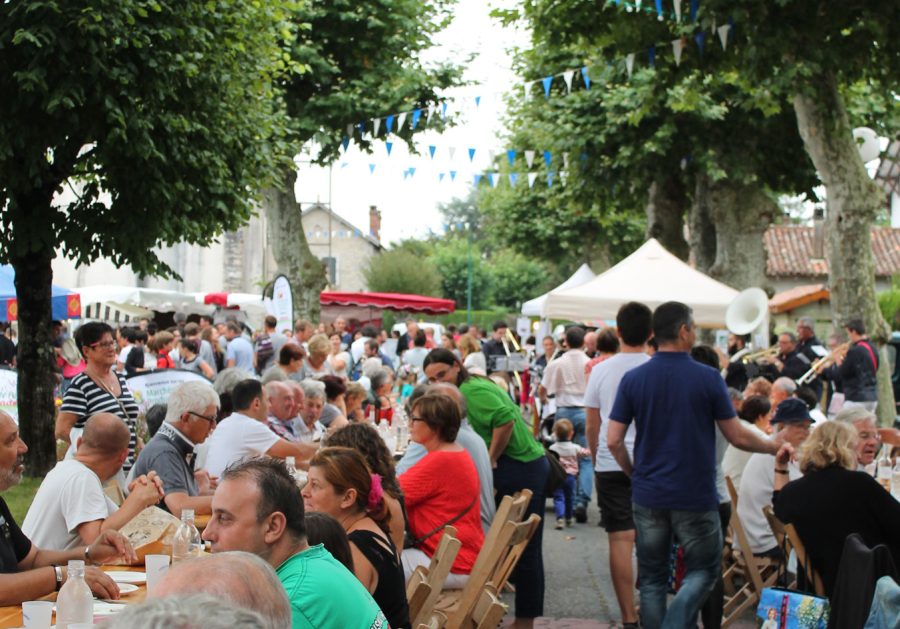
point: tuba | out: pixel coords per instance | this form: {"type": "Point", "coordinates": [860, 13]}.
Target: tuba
{"type": "Point", "coordinates": [749, 313]}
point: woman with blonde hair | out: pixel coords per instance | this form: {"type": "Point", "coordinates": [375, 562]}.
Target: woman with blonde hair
{"type": "Point", "coordinates": [317, 363]}
{"type": "Point", "coordinates": [833, 500]}
{"type": "Point", "coordinates": [472, 357]}
{"type": "Point", "coordinates": [342, 485]}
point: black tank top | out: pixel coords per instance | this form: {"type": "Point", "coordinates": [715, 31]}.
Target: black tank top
{"type": "Point", "coordinates": [390, 593]}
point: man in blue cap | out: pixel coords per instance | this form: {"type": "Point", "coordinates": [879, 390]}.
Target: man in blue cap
{"type": "Point", "coordinates": [792, 422]}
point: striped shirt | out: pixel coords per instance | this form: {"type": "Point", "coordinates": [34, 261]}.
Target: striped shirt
{"type": "Point", "coordinates": [85, 398]}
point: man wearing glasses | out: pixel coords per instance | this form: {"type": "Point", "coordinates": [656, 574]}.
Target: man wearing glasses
{"type": "Point", "coordinates": [190, 418]}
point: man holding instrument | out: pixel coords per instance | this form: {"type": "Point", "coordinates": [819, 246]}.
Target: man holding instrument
{"type": "Point", "coordinates": [858, 368]}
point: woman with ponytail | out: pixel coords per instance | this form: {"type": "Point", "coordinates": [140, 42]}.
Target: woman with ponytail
{"type": "Point", "coordinates": [342, 485]}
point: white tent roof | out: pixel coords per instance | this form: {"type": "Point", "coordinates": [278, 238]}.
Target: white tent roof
{"type": "Point", "coordinates": [150, 298]}
{"type": "Point", "coordinates": [533, 307]}
{"type": "Point", "coordinates": [650, 275]}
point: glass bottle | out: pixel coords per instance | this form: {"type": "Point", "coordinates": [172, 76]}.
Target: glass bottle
{"type": "Point", "coordinates": [186, 541]}
{"type": "Point", "coordinates": [884, 473]}
{"type": "Point", "coordinates": [75, 603]}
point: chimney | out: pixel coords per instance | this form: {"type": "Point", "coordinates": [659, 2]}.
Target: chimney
{"type": "Point", "coordinates": [374, 223]}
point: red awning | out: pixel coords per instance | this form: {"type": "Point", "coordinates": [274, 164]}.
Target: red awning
{"type": "Point", "coordinates": [389, 301]}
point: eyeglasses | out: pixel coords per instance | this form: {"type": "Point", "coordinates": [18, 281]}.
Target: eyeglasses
{"type": "Point", "coordinates": [211, 420]}
{"type": "Point", "coordinates": [103, 345]}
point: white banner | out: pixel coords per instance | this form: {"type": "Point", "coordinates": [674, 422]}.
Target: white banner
{"type": "Point", "coordinates": [154, 387]}
{"type": "Point", "coordinates": [283, 304]}
{"type": "Point", "coordinates": [9, 395]}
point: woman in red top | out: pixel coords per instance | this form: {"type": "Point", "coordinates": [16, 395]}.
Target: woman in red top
{"type": "Point", "coordinates": [433, 503]}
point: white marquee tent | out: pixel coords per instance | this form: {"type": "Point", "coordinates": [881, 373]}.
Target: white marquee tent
{"type": "Point", "coordinates": [650, 275]}
{"type": "Point", "coordinates": [533, 307]}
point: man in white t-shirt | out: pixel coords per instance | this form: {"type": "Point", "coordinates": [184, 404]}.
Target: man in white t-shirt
{"type": "Point", "coordinates": [792, 422]}
{"type": "Point", "coordinates": [70, 508]}
{"type": "Point", "coordinates": [633, 327]}
{"type": "Point", "coordinates": [245, 433]}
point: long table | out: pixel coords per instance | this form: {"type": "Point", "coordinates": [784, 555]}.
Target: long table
{"type": "Point", "coordinates": [11, 616]}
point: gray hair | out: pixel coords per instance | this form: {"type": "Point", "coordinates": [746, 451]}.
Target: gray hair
{"type": "Point", "coordinates": [806, 322]}
{"type": "Point", "coordinates": [854, 414]}
{"type": "Point", "coordinates": [189, 397]}
{"type": "Point", "coordinates": [453, 391]}
{"type": "Point", "coordinates": [379, 378]}
{"type": "Point", "coordinates": [313, 389]}
{"type": "Point", "coordinates": [229, 378]}
{"type": "Point", "coordinates": [241, 579]}
{"type": "Point", "coordinates": [197, 611]}
{"type": "Point", "coordinates": [370, 367]}
{"type": "Point", "coordinates": [786, 384]}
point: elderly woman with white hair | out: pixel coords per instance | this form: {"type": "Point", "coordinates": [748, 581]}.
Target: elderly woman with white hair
{"type": "Point", "coordinates": [868, 439]}
{"type": "Point", "coordinates": [191, 415]}
{"type": "Point", "coordinates": [832, 500]}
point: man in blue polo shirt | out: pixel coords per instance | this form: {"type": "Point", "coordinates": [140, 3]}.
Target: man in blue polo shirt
{"type": "Point", "coordinates": [676, 404]}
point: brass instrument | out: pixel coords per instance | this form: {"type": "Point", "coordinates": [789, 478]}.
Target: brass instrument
{"type": "Point", "coordinates": [758, 355]}
{"type": "Point", "coordinates": [823, 362]}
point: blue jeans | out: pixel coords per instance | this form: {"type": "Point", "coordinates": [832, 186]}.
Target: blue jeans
{"type": "Point", "coordinates": [562, 498]}
{"type": "Point", "coordinates": [700, 535]}
{"type": "Point", "coordinates": [585, 487]}
{"type": "Point", "coordinates": [511, 476]}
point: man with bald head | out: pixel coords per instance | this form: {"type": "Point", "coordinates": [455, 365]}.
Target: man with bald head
{"type": "Point", "coordinates": [28, 572]}
{"type": "Point", "coordinates": [242, 578]}
{"type": "Point", "coordinates": [70, 508]}
{"type": "Point", "coordinates": [468, 439]}
{"type": "Point", "coordinates": [281, 409]}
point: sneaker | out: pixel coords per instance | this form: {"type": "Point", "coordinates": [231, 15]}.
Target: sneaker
{"type": "Point", "coordinates": [559, 524]}
{"type": "Point", "coordinates": [580, 514]}
{"type": "Point", "coordinates": [569, 522]}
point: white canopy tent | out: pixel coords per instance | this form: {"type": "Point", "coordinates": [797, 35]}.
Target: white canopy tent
{"type": "Point", "coordinates": [534, 307]}
{"type": "Point", "coordinates": [650, 275]}
{"type": "Point", "coordinates": [132, 299]}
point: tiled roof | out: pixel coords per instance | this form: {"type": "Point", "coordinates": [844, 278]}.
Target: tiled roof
{"type": "Point", "coordinates": [793, 298]}
{"type": "Point", "coordinates": [789, 250]}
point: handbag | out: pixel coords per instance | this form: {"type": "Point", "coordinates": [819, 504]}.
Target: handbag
{"type": "Point", "coordinates": [781, 608]}
{"type": "Point", "coordinates": [412, 542]}
{"type": "Point", "coordinates": [557, 476]}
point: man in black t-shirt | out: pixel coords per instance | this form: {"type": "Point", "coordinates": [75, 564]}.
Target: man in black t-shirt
{"type": "Point", "coordinates": [28, 572]}
{"type": "Point", "coordinates": [7, 348]}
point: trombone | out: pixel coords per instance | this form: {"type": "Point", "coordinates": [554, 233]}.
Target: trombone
{"type": "Point", "coordinates": [821, 363]}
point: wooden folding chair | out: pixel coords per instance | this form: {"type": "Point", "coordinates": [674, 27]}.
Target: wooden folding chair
{"type": "Point", "coordinates": [489, 610]}
{"type": "Point", "coordinates": [425, 584]}
{"type": "Point", "coordinates": [757, 572]}
{"type": "Point", "coordinates": [787, 531]}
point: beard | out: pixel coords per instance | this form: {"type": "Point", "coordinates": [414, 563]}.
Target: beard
{"type": "Point", "coordinates": [11, 477]}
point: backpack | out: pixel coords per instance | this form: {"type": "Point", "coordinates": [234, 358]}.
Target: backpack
{"type": "Point", "coordinates": [264, 351]}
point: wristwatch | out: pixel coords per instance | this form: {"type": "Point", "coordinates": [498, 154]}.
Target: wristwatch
{"type": "Point", "coordinates": [59, 577]}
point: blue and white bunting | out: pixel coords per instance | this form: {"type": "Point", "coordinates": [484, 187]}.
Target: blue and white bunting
{"type": "Point", "coordinates": [547, 82]}
{"type": "Point", "coordinates": [531, 179]}
{"type": "Point", "coordinates": [529, 158]}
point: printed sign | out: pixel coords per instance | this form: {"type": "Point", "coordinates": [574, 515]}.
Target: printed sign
{"type": "Point", "coordinates": [283, 304]}
{"type": "Point", "coordinates": [154, 387]}
{"type": "Point", "coordinates": [9, 395]}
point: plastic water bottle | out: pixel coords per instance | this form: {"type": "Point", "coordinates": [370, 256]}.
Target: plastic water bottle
{"type": "Point", "coordinates": [75, 602]}
{"type": "Point", "coordinates": [186, 541]}
{"type": "Point", "coordinates": [895, 481]}
{"type": "Point", "coordinates": [884, 473]}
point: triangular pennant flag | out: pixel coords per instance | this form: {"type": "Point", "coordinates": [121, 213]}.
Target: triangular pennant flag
{"type": "Point", "coordinates": [405, 174]}
{"type": "Point", "coordinates": [568, 75]}
{"type": "Point", "coordinates": [471, 154]}
{"type": "Point", "coordinates": [511, 156]}
{"type": "Point", "coordinates": [547, 81]}
{"type": "Point", "coordinates": [695, 4]}
{"type": "Point", "coordinates": [412, 171]}
{"type": "Point", "coordinates": [460, 226]}
{"type": "Point", "coordinates": [477, 179]}
{"type": "Point", "coordinates": [513, 178]}
{"type": "Point", "coordinates": [549, 179]}
{"type": "Point", "coordinates": [389, 123]}
{"type": "Point", "coordinates": [440, 177]}
{"type": "Point", "coordinates": [677, 10]}
{"type": "Point", "coordinates": [376, 125]}
{"type": "Point", "coordinates": [677, 49]}
{"type": "Point", "coordinates": [563, 176]}
{"type": "Point", "coordinates": [548, 158]}
{"type": "Point", "coordinates": [651, 55]}
{"type": "Point", "coordinates": [345, 143]}
{"type": "Point", "coordinates": [345, 164]}
{"type": "Point", "coordinates": [362, 128]}
{"type": "Point", "coordinates": [723, 35]}
{"type": "Point", "coordinates": [431, 149]}
{"type": "Point", "coordinates": [659, 10]}
{"type": "Point", "coordinates": [452, 175]}
{"type": "Point", "coordinates": [401, 120]}
{"type": "Point", "coordinates": [491, 155]}
{"type": "Point", "coordinates": [350, 130]}
{"type": "Point", "coordinates": [417, 114]}
{"type": "Point", "coordinates": [587, 79]}
{"type": "Point", "coordinates": [531, 178]}
{"type": "Point", "coordinates": [629, 64]}
{"type": "Point", "coordinates": [529, 158]}
{"type": "Point", "coordinates": [452, 152]}
{"type": "Point", "coordinates": [494, 179]}
{"type": "Point", "coordinates": [432, 110]}
{"type": "Point", "coordinates": [371, 168]}
{"type": "Point", "coordinates": [444, 109]}
{"type": "Point", "coordinates": [526, 89]}
{"type": "Point", "coordinates": [700, 38]}
{"type": "Point", "coordinates": [477, 101]}
{"type": "Point", "coordinates": [565, 160]}
{"type": "Point", "coordinates": [389, 146]}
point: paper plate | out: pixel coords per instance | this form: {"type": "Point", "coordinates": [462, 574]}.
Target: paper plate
{"type": "Point", "coordinates": [127, 577]}
{"type": "Point", "coordinates": [127, 588]}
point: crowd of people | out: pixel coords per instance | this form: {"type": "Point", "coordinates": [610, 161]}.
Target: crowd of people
{"type": "Point", "coordinates": [296, 449]}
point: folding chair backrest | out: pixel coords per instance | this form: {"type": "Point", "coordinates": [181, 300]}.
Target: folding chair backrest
{"type": "Point", "coordinates": [749, 563]}
{"type": "Point", "coordinates": [433, 577]}
{"type": "Point", "coordinates": [489, 611]}
{"type": "Point", "coordinates": [520, 538]}
{"type": "Point", "coordinates": [803, 561]}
